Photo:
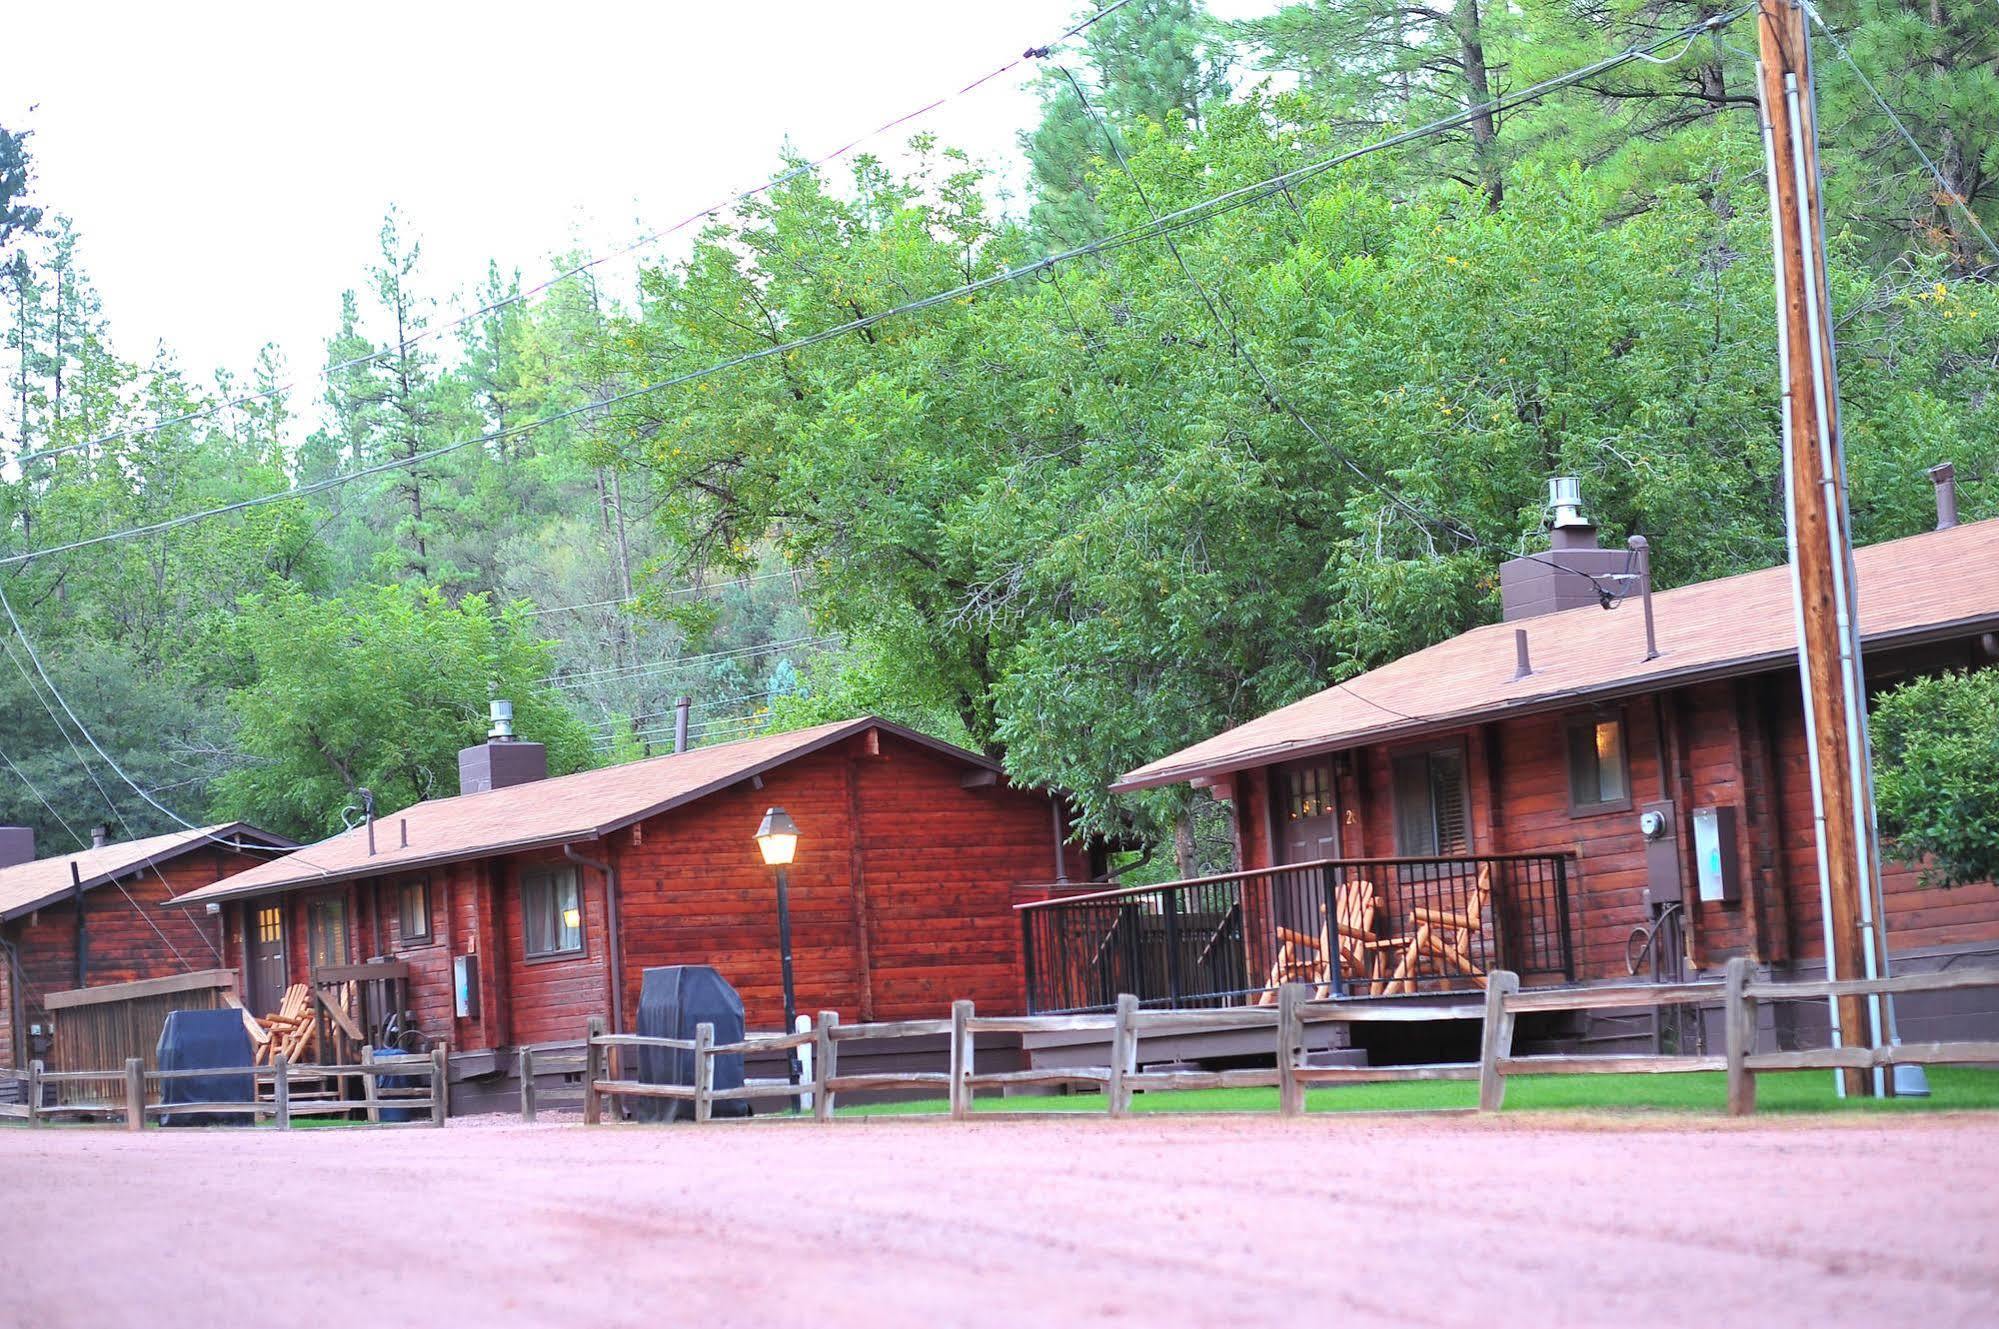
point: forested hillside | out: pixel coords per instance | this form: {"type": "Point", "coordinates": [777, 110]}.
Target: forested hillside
{"type": "Point", "coordinates": [1078, 517]}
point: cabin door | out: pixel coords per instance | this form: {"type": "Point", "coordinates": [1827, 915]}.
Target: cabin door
{"type": "Point", "coordinates": [267, 957]}
{"type": "Point", "coordinates": [1308, 826]}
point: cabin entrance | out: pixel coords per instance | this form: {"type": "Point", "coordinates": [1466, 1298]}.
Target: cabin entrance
{"type": "Point", "coordinates": [1308, 826]}
{"type": "Point", "coordinates": [267, 957]}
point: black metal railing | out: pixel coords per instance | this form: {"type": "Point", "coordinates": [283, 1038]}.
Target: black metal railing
{"type": "Point", "coordinates": [1351, 927]}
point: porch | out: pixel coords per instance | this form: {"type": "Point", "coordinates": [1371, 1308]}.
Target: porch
{"type": "Point", "coordinates": [1353, 928]}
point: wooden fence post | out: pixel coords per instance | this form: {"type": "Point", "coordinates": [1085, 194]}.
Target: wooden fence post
{"type": "Point", "coordinates": [1496, 1039]}
{"type": "Point", "coordinates": [281, 1091]}
{"type": "Point", "coordinates": [35, 1093]}
{"type": "Point", "coordinates": [440, 1079]}
{"type": "Point", "coordinates": [370, 1083]}
{"type": "Point", "coordinates": [1738, 1013]}
{"type": "Point", "coordinates": [823, 1065]}
{"type": "Point", "coordinates": [593, 1071]}
{"type": "Point", "coordinates": [1290, 1042]}
{"type": "Point", "coordinates": [445, 1044]}
{"type": "Point", "coordinates": [527, 1086]}
{"type": "Point", "coordinates": [961, 1059]}
{"type": "Point", "coordinates": [704, 1072]}
{"type": "Point", "coordinates": [135, 1094]}
{"type": "Point", "coordinates": [1124, 1055]}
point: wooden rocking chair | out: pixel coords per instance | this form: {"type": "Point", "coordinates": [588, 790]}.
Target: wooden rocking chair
{"type": "Point", "coordinates": [1302, 958]}
{"type": "Point", "coordinates": [1443, 935]}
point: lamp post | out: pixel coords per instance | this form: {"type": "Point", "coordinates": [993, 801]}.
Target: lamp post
{"type": "Point", "coordinates": [777, 838]}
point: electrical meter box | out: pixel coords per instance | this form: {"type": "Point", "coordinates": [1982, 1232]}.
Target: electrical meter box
{"type": "Point", "coordinates": [1715, 858]}
{"type": "Point", "coordinates": [465, 986]}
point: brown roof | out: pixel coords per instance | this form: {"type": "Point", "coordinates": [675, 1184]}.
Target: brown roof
{"type": "Point", "coordinates": [562, 810]}
{"type": "Point", "coordinates": [1935, 585]}
{"type": "Point", "coordinates": [26, 887]}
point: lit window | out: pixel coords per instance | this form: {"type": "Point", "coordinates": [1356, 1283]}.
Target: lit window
{"type": "Point", "coordinates": [1599, 776]}
{"type": "Point", "coordinates": [551, 913]}
{"type": "Point", "coordinates": [413, 911]}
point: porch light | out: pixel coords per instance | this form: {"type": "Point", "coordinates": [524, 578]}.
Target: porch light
{"type": "Point", "coordinates": [777, 837]}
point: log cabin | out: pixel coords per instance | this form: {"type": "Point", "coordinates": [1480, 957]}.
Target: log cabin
{"type": "Point", "coordinates": [102, 916]}
{"type": "Point", "coordinates": [528, 904]}
{"type": "Point", "coordinates": [1576, 793]}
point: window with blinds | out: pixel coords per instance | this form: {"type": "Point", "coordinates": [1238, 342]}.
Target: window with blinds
{"type": "Point", "coordinates": [1432, 813]}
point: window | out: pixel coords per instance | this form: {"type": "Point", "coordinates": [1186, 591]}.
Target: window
{"type": "Point", "coordinates": [551, 912]}
{"type": "Point", "coordinates": [1599, 777]}
{"type": "Point", "coordinates": [326, 932]}
{"type": "Point", "coordinates": [270, 925]}
{"type": "Point", "coordinates": [1308, 792]}
{"type": "Point", "coordinates": [413, 911]}
{"type": "Point", "coordinates": [1431, 817]}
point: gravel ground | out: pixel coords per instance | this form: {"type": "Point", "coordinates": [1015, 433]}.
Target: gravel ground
{"type": "Point", "coordinates": [1454, 1221]}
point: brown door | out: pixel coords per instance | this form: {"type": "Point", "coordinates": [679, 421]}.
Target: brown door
{"type": "Point", "coordinates": [267, 957]}
{"type": "Point", "coordinates": [1308, 827]}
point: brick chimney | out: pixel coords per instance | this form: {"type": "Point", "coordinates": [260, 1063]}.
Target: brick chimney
{"type": "Point", "coordinates": [503, 760]}
{"type": "Point", "coordinates": [1548, 583]}
{"type": "Point", "coordinates": [17, 845]}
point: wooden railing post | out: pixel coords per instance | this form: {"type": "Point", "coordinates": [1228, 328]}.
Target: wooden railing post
{"type": "Point", "coordinates": [961, 1059]}
{"type": "Point", "coordinates": [1738, 1014]}
{"type": "Point", "coordinates": [369, 1086]}
{"type": "Point", "coordinates": [1495, 1039]}
{"type": "Point", "coordinates": [823, 1063]}
{"type": "Point", "coordinates": [440, 1082]}
{"type": "Point", "coordinates": [704, 1072]}
{"type": "Point", "coordinates": [135, 1094]}
{"type": "Point", "coordinates": [1124, 1055]}
{"type": "Point", "coordinates": [35, 1093]}
{"type": "Point", "coordinates": [527, 1086]}
{"type": "Point", "coordinates": [281, 1091]}
{"type": "Point", "coordinates": [1290, 1042]}
{"type": "Point", "coordinates": [593, 1071]}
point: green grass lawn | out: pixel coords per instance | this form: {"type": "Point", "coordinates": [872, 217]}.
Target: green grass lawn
{"type": "Point", "coordinates": [1951, 1088]}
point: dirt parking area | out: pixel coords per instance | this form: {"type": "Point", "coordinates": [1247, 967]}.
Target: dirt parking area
{"type": "Point", "coordinates": [1146, 1221]}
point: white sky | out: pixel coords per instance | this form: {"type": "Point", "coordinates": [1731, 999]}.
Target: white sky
{"type": "Point", "coordinates": [228, 165]}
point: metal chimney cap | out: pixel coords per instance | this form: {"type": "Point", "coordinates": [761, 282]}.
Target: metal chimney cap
{"type": "Point", "coordinates": [503, 719]}
{"type": "Point", "coordinates": [1565, 500]}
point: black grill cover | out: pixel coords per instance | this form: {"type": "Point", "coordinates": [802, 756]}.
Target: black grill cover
{"type": "Point", "coordinates": [672, 1000]}
{"type": "Point", "coordinates": [201, 1040]}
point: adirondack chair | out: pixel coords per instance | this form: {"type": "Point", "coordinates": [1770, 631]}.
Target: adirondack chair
{"type": "Point", "coordinates": [1442, 935]}
{"type": "Point", "coordinates": [1303, 958]}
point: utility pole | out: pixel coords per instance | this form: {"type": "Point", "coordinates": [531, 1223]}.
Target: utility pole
{"type": "Point", "coordinates": [1821, 536]}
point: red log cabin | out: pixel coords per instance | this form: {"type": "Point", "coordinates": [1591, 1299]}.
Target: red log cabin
{"type": "Point", "coordinates": [102, 915]}
{"type": "Point", "coordinates": [530, 904]}
{"type": "Point", "coordinates": [1539, 795]}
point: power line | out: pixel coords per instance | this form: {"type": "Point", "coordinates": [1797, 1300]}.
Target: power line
{"type": "Point", "coordinates": [665, 666]}
{"type": "Point", "coordinates": [1194, 214]}
{"type": "Point", "coordinates": [61, 820]}
{"type": "Point", "coordinates": [697, 592]}
{"type": "Point", "coordinates": [623, 251]}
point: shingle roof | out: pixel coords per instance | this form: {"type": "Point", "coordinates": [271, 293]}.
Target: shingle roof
{"type": "Point", "coordinates": [1938, 584]}
{"type": "Point", "coordinates": [560, 810]}
{"type": "Point", "coordinates": [26, 887]}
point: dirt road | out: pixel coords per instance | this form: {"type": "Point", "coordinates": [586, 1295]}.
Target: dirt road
{"type": "Point", "coordinates": [1237, 1221]}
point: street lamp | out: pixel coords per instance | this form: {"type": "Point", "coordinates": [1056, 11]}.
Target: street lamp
{"type": "Point", "coordinates": [777, 838]}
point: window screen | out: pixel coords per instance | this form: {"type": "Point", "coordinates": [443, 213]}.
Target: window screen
{"type": "Point", "coordinates": [551, 913]}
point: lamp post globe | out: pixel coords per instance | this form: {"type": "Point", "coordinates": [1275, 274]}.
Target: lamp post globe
{"type": "Point", "coordinates": [777, 840]}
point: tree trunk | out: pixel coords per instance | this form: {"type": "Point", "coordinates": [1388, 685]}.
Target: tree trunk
{"type": "Point", "coordinates": [1478, 91]}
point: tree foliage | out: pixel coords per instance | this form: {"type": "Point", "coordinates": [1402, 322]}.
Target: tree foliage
{"type": "Point", "coordinates": [1936, 781]}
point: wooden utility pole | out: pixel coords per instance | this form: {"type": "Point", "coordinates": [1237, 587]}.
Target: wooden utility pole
{"type": "Point", "coordinates": [1820, 532]}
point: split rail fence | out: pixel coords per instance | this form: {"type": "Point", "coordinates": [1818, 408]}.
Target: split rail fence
{"type": "Point", "coordinates": [138, 1105]}
{"type": "Point", "coordinates": [1504, 1002]}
